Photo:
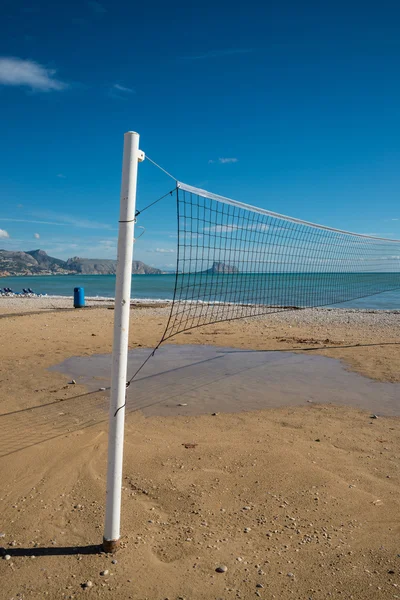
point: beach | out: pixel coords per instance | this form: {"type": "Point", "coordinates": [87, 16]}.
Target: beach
{"type": "Point", "coordinates": [300, 501]}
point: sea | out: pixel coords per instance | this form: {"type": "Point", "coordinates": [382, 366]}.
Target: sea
{"type": "Point", "coordinates": [158, 288]}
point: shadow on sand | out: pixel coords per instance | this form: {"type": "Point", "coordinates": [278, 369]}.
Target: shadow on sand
{"type": "Point", "coordinates": [53, 551]}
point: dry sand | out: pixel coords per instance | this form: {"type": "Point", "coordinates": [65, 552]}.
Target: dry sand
{"type": "Point", "coordinates": [316, 487]}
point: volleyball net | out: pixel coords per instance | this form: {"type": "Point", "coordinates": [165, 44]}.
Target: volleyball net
{"type": "Point", "coordinates": [236, 260]}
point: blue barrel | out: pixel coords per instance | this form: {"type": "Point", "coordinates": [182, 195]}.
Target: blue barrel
{"type": "Point", "coordinates": [79, 297]}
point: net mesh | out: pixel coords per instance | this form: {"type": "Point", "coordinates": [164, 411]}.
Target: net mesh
{"type": "Point", "coordinates": [238, 261]}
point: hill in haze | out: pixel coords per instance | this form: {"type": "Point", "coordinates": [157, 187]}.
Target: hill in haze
{"type": "Point", "coordinates": [45, 261]}
{"type": "Point", "coordinates": [220, 267]}
{"type": "Point", "coordinates": [38, 262]}
{"type": "Point", "coordinates": [99, 266]}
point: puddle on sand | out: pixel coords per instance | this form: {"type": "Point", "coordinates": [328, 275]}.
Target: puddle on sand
{"type": "Point", "coordinates": [207, 379]}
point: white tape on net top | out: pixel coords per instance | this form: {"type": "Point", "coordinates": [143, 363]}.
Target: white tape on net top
{"type": "Point", "coordinates": [199, 192]}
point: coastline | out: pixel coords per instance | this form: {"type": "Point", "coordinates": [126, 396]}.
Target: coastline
{"type": "Point", "coordinates": [54, 299]}
{"type": "Point", "coordinates": [160, 289]}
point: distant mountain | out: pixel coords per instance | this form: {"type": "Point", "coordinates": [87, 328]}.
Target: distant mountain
{"type": "Point", "coordinates": [220, 267]}
{"type": "Point", "coordinates": [38, 262]}
{"type": "Point", "coordinates": [45, 261]}
{"type": "Point", "coordinates": [140, 268]}
{"type": "Point", "coordinates": [17, 261]}
{"type": "Point", "coordinates": [98, 266]}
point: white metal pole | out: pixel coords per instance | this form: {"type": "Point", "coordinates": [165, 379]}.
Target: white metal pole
{"type": "Point", "coordinates": [132, 155]}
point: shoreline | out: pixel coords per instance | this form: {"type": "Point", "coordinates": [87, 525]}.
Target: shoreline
{"type": "Point", "coordinates": [51, 301]}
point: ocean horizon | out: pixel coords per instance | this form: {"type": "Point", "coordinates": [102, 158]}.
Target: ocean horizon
{"type": "Point", "coordinates": [160, 288]}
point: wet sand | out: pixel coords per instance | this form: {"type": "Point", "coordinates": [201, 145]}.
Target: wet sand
{"type": "Point", "coordinates": [197, 379]}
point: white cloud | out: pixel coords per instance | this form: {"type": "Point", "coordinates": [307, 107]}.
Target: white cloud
{"type": "Point", "coordinates": [97, 7]}
{"type": "Point", "coordinates": [61, 176]}
{"type": "Point", "coordinates": [394, 219]}
{"type": "Point", "coordinates": [190, 235]}
{"type": "Point", "coordinates": [19, 72]}
{"type": "Point", "coordinates": [60, 219]}
{"type": "Point", "coordinates": [223, 161]}
{"type": "Point", "coordinates": [120, 91]}
{"type": "Point", "coordinates": [162, 250]}
{"type": "Point", "coordinates": [221, 228]}
{"type": "Point", "coordinates": [108, 244]}
{"type": "Point", "coordinates": [30, 221]}
{"type": "Point", "coordinates": [36, 236]}
{"type": "Point", "coordinates": [4, 233]}
{"type": "Point", "coordinates": [123, 88]}
{"type": "Point", "coordinates": [258, 227]}
{"type": "Point", "coordinates": [232, 228]}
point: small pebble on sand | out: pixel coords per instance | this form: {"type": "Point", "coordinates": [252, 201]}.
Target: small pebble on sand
{"type": "Point", "coordinates": [7, 557]}
{"type": "Point", "coordinates": [104, 573]}
{"type": "Point", "coordinates": [221, 569]}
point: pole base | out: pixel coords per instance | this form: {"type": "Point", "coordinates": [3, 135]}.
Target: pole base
{"type": "Point", "coordinates": [111, 546]}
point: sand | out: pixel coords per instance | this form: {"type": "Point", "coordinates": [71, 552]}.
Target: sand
{"type": "Point", "coordinates": [316, 487]}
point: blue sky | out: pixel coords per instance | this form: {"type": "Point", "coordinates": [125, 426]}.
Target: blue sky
{"type": "Point", "coordinates": [292, 106]}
